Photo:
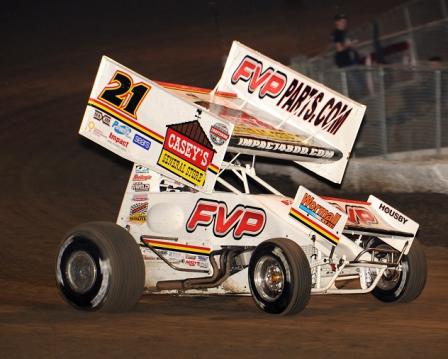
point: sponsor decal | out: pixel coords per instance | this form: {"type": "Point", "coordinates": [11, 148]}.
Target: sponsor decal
{"type": "Point", "coordinates": [187, 152]}
{"type": "Point", "coordinates": [287, 202]}
{"type": "Point", "coordinates": [268, 82]}
{"type": "Point", "coordinates": [241, 221]}
{"type": "Point", "coordinates": [140, 197]}
{"type": "Point", "coordinates": [141, 177]}
{"type": "Point", "coordinates": [315, 216]}
{"type": "Point", "coordinates": [117, 140]}
{"type": "Point", "coordinates": [393, 213]}
{"type": "Point", "coordinates": [148, 255]}
{"type": "Point", "coordinates": [273, 146]}
{"type": "Point", "coordinates": [357, 214]}
{"type": "Point", "coordinates": [319, 212]}
{"type": "Point", "coordinates": [219, 133]}
{"type": "Point", "coordinates": [102, 117]}
{"type": "Point", "coordinates": [121, 129]}
{"type": "Point", "coordinates": [191, 260]}
{"type": "Point", "coordinates": [140, 187]}
{"type": "Point", "coordinates": [125, 118]}
{"type": "Point", "coordinates": [141, 169]}
{"type": "Point", "coordinates": [92, 128]}
{"type": "Point", "coordinates": [296, 97]}
{"type": "Point", "coordinates": [138, 213]}
{"type": "Point", "coordinates": [141, 141]}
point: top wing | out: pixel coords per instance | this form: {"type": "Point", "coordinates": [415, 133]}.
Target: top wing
{"type": "Point", "coordinates": [295, 104]}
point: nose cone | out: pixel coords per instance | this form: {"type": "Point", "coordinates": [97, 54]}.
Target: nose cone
{"type": "Point", "coordinates": [165, 218]}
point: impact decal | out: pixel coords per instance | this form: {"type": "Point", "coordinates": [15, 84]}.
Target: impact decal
{"type": "Point", "coordinates": [138, 213]}
{"type": "Point", "coordinates": [286, 148]}
{"type": "Point", "coordinates": [241, 221]}
{"type": "Point", "coordinates": [187, 152]}
{"type": "Point", "coordinates": [315, 216]}
{"type": "Point", "coordinates": [118, 140]}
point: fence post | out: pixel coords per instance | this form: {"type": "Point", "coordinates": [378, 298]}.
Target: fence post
{"type": "Point", "coordinates": [344, 84]}
{"type": "Point", "coordinates": [414, 51]}
{"type": "Point", "coordinates": [382, 110]}
{"type": "Point", "coordinates": [438, 117]}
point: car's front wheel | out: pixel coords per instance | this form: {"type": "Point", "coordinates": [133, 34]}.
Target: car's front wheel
{"type": "Point", "coordinates": [100, 267]}
{"type": "Point", "coordinates": [280, 277]}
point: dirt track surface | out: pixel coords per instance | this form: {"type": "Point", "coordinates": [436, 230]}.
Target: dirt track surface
{"type": "Point", "coordinates": [53, 180]}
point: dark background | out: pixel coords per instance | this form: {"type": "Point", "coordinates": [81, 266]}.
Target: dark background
{"type": "Point", "coordinates": [51, 180]}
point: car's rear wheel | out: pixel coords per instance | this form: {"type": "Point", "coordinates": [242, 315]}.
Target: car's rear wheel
{"type": "Point", "coordinates": [100, 267]}
{"type": "Point", "coordinates": [280, 277]}
{"type": "Point", "coordinates": [407, 283]}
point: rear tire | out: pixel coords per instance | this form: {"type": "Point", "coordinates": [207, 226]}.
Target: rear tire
{"type": "Point", "coordinates": [100, 267]}
{"type": "Point", "coordinates": [280, 277]}
{"type": "Point", "coordinates": [407, 285]}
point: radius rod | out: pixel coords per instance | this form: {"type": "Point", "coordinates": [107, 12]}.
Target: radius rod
{"type": "Point", "coordinates": [220, 274]}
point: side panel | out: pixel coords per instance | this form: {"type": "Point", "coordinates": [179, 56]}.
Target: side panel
{"type": "Point", "coordinates": [325, 220]}
{"type": "Point", "coordinates": [397, 220]}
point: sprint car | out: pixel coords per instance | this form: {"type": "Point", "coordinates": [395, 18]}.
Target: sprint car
{"type": "Point", "coordinates": [196, 218]}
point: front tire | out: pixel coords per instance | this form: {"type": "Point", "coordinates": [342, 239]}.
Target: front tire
{"type": "Point", "coordinates": [406, 285]}
{"type": "Point", "coordinates": [280, 277]}
{"type": "Point", "coordinates": [100, 267]}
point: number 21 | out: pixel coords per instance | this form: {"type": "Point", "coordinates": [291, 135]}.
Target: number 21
{"type": "Point", "coordinates": [122, 93]}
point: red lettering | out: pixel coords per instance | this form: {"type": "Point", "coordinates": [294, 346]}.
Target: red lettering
{"type": "Point", "coordinates": [252, 223]}
{"type": "Point", "coordinates": [242, 220]}
{"type": "Point", "coordinates": [202, 215]}
{"type": "Point", "coordinates": [224, 224]}
{"type": "Point", "coordinates": [270, 82]}
{"type": "Point", "coordinates": [245, 70]}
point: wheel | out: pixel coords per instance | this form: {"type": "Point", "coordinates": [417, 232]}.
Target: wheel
{"type": "Point", "coordinates": [100, 267]}
{"type": "Point", "coordinates": [406, 285]}
{"type": "Point", "coordinates": [280, 277]}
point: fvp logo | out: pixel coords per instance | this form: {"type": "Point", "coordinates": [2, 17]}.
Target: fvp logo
{"type": "Point", "coordinates": [269, 82]}
{"type": "Point", "coordinates": [242, 220]}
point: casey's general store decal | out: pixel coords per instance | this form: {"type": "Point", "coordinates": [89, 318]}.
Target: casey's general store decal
{"type": "Point", "coordinates": [187, 152]}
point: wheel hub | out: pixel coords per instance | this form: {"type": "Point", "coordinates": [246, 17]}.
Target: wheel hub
{"type": "Point", "coordinates": [269, 278]}
{"type": "Point", "coordinates": [81, 271]}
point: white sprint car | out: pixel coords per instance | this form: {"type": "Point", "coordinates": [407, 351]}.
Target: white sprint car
{"type": "Point", "coordinates": [196, 219]}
